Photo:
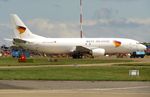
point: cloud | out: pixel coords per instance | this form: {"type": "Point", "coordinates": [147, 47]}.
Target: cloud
{"type": "Point", "coordinates": [130, 22]}
{"type": "Point", "coordinates": [5, 32]}
{"type": "Point", "coordinates": [103, 13]}
{"type": "Point", "coordinates": [134, 28]}
{"type": "Point", "coordinates": [48, 28]}
{"type": "Point", "coordinates": [145, 21]}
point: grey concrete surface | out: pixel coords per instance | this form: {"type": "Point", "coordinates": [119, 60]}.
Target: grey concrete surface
{"type": "Point", "coordinates": [22, 88]}
{"type": "Point", "coordinates": [68, 93]}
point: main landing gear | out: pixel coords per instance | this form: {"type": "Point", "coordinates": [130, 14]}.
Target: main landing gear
{"type": "Point", "coordinates": [77, 55]}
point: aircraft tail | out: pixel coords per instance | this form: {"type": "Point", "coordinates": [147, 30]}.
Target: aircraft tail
{"type": "Point", "coordinates": [20, 29]}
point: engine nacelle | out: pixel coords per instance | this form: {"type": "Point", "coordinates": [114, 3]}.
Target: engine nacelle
{"type": "Point", "coordinates": [98, 52]}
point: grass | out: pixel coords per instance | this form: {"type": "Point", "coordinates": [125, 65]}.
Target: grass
{"type": "Point", "coordinates": [8, 61]}
{"type": "Point", "coordinates": [107, 73]}
{"type": "Point", "coordinates": [116, 72]}
{"type": "Point", "coordinates": [133, 64]}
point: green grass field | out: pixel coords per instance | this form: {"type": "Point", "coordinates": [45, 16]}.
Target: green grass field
{"type": "Point", "coordinates": [116, 72]}
{"type": "Point", "coordinates": [101, 73]}
{"type": "Point", "coordinates": [8, 61]}
{"type": "Point", "coordinates": [133, 64]}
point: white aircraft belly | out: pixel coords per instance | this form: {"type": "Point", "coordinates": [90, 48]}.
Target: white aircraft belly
{"type": "Point", "coordinates": [118, 50]}
{"type": "Point", "coordinates": [53, 49]}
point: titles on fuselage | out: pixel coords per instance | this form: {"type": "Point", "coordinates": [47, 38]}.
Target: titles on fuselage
{"type": "Point", "coordinates": [97, 41]}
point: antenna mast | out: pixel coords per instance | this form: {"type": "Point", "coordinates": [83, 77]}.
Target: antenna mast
{"type": "Point", "coordinates": [81, 13]}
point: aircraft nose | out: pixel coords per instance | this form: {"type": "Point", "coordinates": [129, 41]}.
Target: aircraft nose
{"type": "Point", "coordinates": [142, 47]}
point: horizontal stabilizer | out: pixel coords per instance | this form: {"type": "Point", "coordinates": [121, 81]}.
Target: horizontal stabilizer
{"type": "Point", "coordinates": [16, 40]}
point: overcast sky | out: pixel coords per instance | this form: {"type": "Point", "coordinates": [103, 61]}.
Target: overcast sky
{"type": "Point", "coordinates": [60, 18]}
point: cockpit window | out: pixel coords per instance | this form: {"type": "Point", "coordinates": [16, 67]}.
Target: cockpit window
{"type": "Point", "coordinates": [137, 42]}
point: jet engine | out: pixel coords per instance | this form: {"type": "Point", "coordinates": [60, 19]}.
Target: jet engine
{"type": "Point", "coordinates": [98, 52]}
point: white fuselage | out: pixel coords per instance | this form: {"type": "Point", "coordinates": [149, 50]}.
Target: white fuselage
{"type": "Point", "coordinates": [67, 45]}
{"type": "Point", "coordinates": [98, 46]}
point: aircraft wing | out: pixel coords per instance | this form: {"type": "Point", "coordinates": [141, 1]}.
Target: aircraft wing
{"type": "Point", "coordinates": [7, 39]}
{"type": "Point", "coordinates": [94, 51]}
{"type": "Point", "coordinates": [82, 49]}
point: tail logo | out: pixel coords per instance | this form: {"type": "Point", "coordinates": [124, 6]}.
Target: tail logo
{"type": "Point", "coordinates": [117, 43]}
{"type": "Point", "coordinates": [21, 29]}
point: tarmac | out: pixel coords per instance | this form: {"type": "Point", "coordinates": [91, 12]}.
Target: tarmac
{"type": "Point", "coordinates": [21, 88]}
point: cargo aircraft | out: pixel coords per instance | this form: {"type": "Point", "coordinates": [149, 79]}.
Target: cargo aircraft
{"type": "Point", "coordinates": [75, 47]}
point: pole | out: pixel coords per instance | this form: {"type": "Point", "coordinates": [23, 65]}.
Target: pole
{"type": "Point", "coordinates": [81, 13]}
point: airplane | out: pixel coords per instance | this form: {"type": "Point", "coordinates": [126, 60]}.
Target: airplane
{"type": "Point", "coordinates": [75, 47]}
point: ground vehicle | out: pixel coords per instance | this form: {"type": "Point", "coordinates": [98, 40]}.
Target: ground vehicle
{"type": "Point", "coordinates": [138, 54]}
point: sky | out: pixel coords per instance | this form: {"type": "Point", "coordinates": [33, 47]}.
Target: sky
{"type": "Point", "coordinates": [60, 18]}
